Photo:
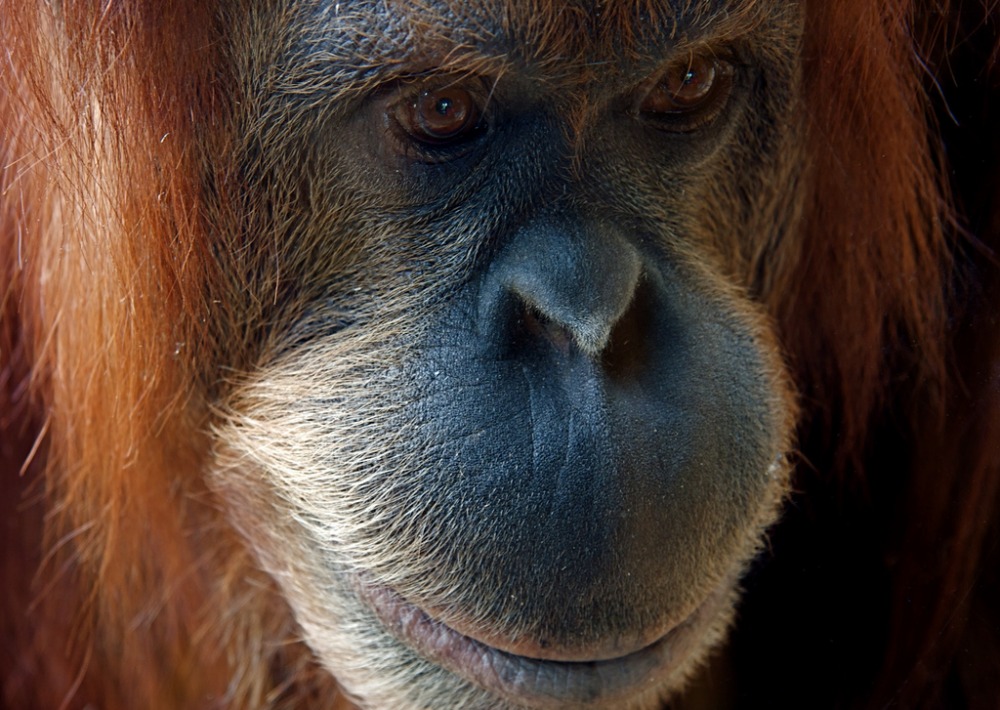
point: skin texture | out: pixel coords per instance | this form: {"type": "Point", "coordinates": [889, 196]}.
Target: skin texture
{"type": "Point", "coordinates": [502, 424]}
{"type": "Point", "coordinates": [450, 354]}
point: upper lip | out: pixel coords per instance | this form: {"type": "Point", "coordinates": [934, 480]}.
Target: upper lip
{"type": "Point", "coordinates": [535, 682]}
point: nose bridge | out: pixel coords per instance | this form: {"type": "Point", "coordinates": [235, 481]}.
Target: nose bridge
{"type": "Point", "coordinates": [579, 275]}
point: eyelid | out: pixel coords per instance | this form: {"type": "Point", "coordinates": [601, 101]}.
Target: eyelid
{"type": "Point", "coordinates": [410, 87]}
{"type": "Point", "coordinates": [726, 53]}
{"type": "Point", "coordinates": [475, 84]}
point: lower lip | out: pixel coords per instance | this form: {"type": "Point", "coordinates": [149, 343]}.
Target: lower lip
{"type": "Point", "coordinates": [533, 682]}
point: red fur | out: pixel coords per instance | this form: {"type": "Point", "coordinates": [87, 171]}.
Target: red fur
{"type": "Point", "coordinates": [121, 584]}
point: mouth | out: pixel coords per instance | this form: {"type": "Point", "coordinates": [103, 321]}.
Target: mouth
{"type": "Point", "coordinates": [545, 683]}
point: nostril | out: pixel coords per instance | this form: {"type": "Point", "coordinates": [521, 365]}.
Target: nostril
{"type": "Point", "coordinates": [573, 325]}
{"type": "Point", "coordinates": [627, 348]}
{"type": "Point", "coordinates": [541, 327]}
{"type": "Point", "coordinates": [562, 286]}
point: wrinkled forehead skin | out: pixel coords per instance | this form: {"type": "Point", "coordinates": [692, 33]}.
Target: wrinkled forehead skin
{"type": "Point", "coordinates": [564, 41]}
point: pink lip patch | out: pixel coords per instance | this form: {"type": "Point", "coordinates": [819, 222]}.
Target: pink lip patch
{"type": "Point", "coordinates": [535, 682]}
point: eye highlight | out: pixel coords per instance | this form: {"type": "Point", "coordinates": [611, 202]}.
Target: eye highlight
{"type": "Point", "coordinates": [689, 93]}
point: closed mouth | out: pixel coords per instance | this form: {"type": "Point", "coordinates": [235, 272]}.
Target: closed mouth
{"type": "Point", "coordinates": [542, 683]}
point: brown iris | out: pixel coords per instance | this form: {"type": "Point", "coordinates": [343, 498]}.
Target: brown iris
{"type": "Point", "coordinates": [440, 116]}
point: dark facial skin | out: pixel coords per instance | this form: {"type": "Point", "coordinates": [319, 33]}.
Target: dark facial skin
{"type": "Point", "coordinates": [517, 423]}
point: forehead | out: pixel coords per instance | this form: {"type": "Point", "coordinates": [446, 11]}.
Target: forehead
{"type": "Point", "coordinates": [454, 33]}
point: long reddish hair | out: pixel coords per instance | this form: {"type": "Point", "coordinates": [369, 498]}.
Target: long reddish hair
{"type": "Point", "coordinates": [111, 115]}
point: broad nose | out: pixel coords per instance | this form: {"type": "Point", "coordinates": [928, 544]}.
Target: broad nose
{"type": "Point", "coordinates": [573, 281]}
